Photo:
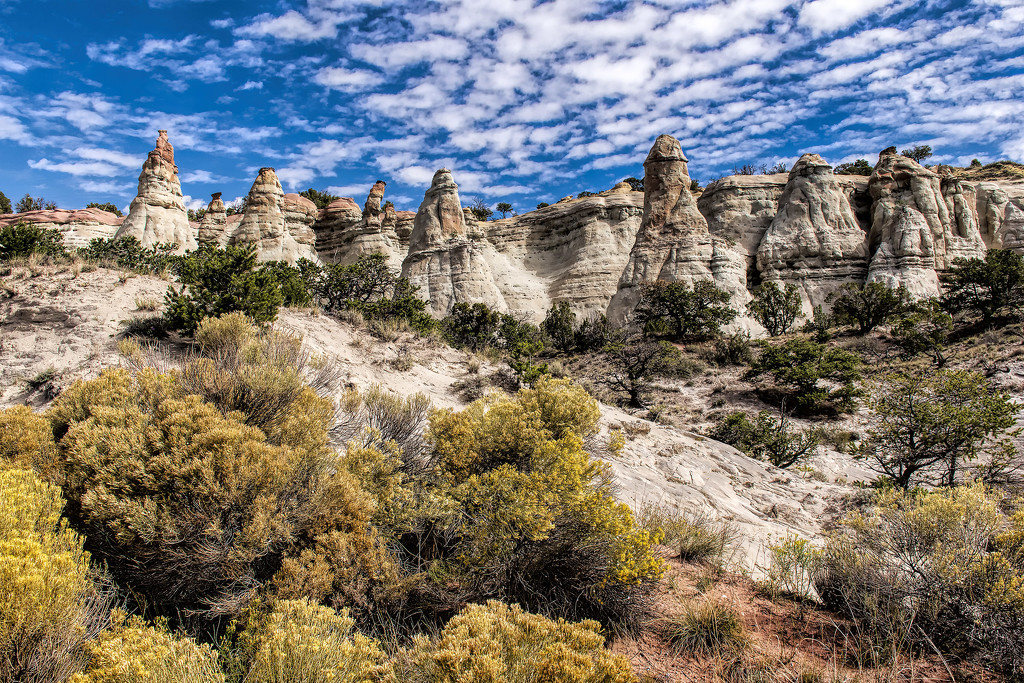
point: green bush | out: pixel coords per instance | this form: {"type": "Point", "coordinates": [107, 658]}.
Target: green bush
{"type": "Point", "coordinates": [128, 253]}
{"type": "Point", "coordinates": [22, 239]}
{"type": "Point", "coordinates": [289, 282]}
{"type": "Point", "coordinates": [593, 334]}
{"type": "Point", "coordinates": [733, 349]}
{"type": "Point", "coordinates": [677, 311]}
{"type": "Point", "coordinates": [560, 326]}
{"type": "Point", "coordinates": [991, 288]}
{"type": "Point", "coordinates": [923, 329]}
{"type": "Point", "coordinates": [867, 306]}
{"type": "Point", "coordinates": [497, 643]}
{"type": "Point", "coordinates": [858, 167]}
{"type": "Point", "coordinates": [216, 281]}
{"type": "Point", "coordinates": [635, 362]}
{"type": "Point", "coordinates": [767, 438]}
{"type": "Point", "coordinates": [320, 199]}
{"type": "Point", "coordinates": [107, 206]}
{"type": "Point", "coordinates": [927, 427]}
{"type": "Point", "coordinates": [5, 204]}
{"type": "Point", "coordinates": [775, 308]}
{"type": "Point", "coordinates": [798, 366]}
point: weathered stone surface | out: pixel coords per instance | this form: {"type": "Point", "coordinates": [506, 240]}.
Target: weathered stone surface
{"type": "Point", "coordinates": [77, 228]}
{"type": "Point", "coordinates": [920, 224]}
{"type": "Point", "coordinates": [344, 233]}
{"type": "Point", "coordinates": [213, 226]}
{"type": "Point", "coordinates": [573, 251]}
{"type": "Point", "coordinates": [265, 224]}
{"type": "Point", "coordinates": [372, 212]}
{"type": "Point", "coordinates": [1001, 214]}
{"type": "Point", "coordinates": [299, 216]}
{"type": "Point", "coordinates": [673, 242]}
{"type": "Point", "coordinates": [815, 240]}
{"type": "Point", "coordinates": [157, 215]}
{"type": "Point", "coordinates": [332, 228]}
{"type": "Point", "coordinates": [443, 262]}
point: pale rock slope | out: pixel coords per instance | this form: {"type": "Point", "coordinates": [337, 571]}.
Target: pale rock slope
{"type": "Point", "coordinates": [443, 261]}
{"type": "Point", "coordinates": [77, 228]}
{"type": "Point", "coordinates": [920, 223]}
{"type": "Point", "coordinates": [213, 228]}
{"type": "Point", "coordinates": [814, 241]}
{"type": "Point", "coordinates": [279, 225]}
{"type": "Point", "coordinates": [673, 243]}
{"type": "Point", "coordinates": [157, 215]}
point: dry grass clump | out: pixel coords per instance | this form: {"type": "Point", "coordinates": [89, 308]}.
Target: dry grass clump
{"type": "Point", "coordinates": [696, 535]}
{"type": "Point", "coordinates": [706, 627]}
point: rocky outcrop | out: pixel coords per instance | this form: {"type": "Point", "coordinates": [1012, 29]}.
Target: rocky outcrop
{"type": "Point", "coordinates": [740, 208]}
{"type": "Point", "coordinates": [372, 211]}
{"type": "Point", "coordinates": [213, 226]}
{"type": "Point", "coordinates": [443, 261]}
{"type": "Point", "coordinates": [343, 233]}
{"type": "Point", "coordinates": [815, 240]}
{"type": "Point", "coordinates": [77, 228]}
{"type": "Point", "coordinates": [1001, 214]}
{"type": "Point", "coordinates": [673, 242]}
{"type": "Point", "coordinates": [920, 224]}
{"type": "Point", "coordinates": [266, 223]}
{"type": "Point", "coordinates": [157, 215]}
{"type": "Point", "coordinates": [573, 251]}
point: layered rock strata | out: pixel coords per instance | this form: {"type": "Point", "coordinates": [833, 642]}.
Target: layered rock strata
{"type": "Point", "coordinates": [1001, 214]}
{"type": "Point", "coordinates": [443, 261]}
{"type": "Point", "coordinates": [213, 226]}
{"type": "Point", "coordinates": [77, 228]}
{"type": "Point", "coordinates": [815, 240]}
{"type": "Point", "coordinates": [673, 242]}
{"type": "Point", "coordinates": [344, 234]}
{"type": "Point", "coordinates": [280, 227]}
{"type": "Point", "coordinates": [920, 223]}
{"type": "Point", "coordinates": [157, 215]}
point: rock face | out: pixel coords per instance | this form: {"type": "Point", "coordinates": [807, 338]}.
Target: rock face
{"type": "Point", "coordinates": [213, 226]}
{"type": "Point", "coordinates": [673, 242]}
{"type": "Point", "coordinates": [343, 233]}
{"type": "Point", "coordinates": [740, 208]}
{"type": "Point", "coordinates": [372, 212]}
{"type": "Point", "coordinates": [447, 265]}
{"type": "Point", "coordinates": [77, 228]}
{"type": "Point", "coordinates": [270, 219]}
{"type": "Point", "coordinates": [815, 240]}
{"type": "Point", "coordinates": [157, 215]}
{"type": "Point", "coordinates": [1001, 214]}
{"type": "Point", "coordinates": [920, 223]}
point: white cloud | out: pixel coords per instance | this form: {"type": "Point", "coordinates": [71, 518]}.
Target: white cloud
{"type": "Point", "coordinates": [13, 129]}
{"type": "Point", "coordinates": [251, 85]}
{"type": "Point", "coordinates": [291, 26]}
{"type": "Point", "coordinates": [77, 168]}
{"type": "Point", "coordinates": [827, 16]}
{"type": "Point", "coordinates": [338, 78]}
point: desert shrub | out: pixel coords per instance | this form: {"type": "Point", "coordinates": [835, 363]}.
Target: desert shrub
{"type": "Point", "coordinates": [320, 198]}
{"type": "Point", "coordinates": [133, 652]}
{"type": "Point", "coordinates": [774, 307]}
{"type": "Point", "coordinates": [190, 506]}
{"type": "Point", "coordinates": [533, 519]}
{"type": "Point", "coordinates": [26, 440]}
{"type": "Point", "coordinates": [733, 349]}
{"type": "Point", "coordinates": [706, 626]}
{"type": "Point", "coordinates": [923, 329]}
{"type": "Point", "coordinates": [144, 326]}
{"type": "Point", "coordinates": [858, 167]}
{"type": "Point", "coordinates": [677, 311]}
{"type": "Point", "coordinates": [367, 286]}
{"type": "Point", "coordinates": [592, 334]}
{"type": "Point", "coordinates": [696, 535]}
{"type": "Point", "coordinates": [560, 326]}
{"type": "Point", "coordinates": [820, 325]}
{"type": "Point", "coordinates": [634, 362]}
{"type": "Point", "coordinates": [216, 281]}
{"type": "Point", "coordinates": [23, 239]}
{"type": "Point", "coordinates": [767, 438]}
{"type": "Point", "coordinates": [495, 643]}
{"type": "Point", "coordinates": [49, 605]}
{"type": "Point", "coordinates": [991, 288]}
{"type": "Point", "coordinates": [5, 203]}
{"type": "Point", "coordinates": [799, 366]}
{"type": "Point", "coordinates": [792, 565]}
{"type": "Point", "coordinates": [129, 254]}
{"type": "Point", "coordinates": [302, 641]}
{"type": "Point", "coordinates": [289, 282]}
{"type": "Point", "coordinates": [867, 306]}
{"type": "Point", "coordinates": [943, 564]}
{"type": "Point", "coordinates": [225, 335]}
{"type": "Point", "coordinates": [928, 426]}
{"type": "Point", "coordinates": [918, 152]}
{"type": "Point", "coordinates": [477, 327]}
{"type": "Point", "coordinates": [471, 326]}
{"type": "Point", "coordinates": [109, 207]}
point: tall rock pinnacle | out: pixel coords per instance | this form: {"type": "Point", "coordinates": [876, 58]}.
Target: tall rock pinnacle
{"type": "Point", "coordinates": [157, 214]}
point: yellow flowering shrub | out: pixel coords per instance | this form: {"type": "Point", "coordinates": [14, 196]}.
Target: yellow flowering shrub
{"type": "Point", "coordinates": [26, 440]}
{"type": "Point", "coordinates": [498, 643]}
{"type": "Point", "coordinates": [133, 652]}
{"type": "Point", "coordinates": [191, 506]}
{"type": "Point", "coordinates": [537, 522]}
{"type": "Point", "coordinates": [302, 642]}
{"type": "Point", "coordinates": [49, 605]}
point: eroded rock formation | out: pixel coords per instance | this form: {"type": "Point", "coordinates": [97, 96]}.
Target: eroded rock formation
{"type": "Point", "coordinates": [920, 223]}
{"type": "Point", "coordinates": [213, 226]}
{"type": "Point", "coordinates": [280, 226]}
{"type": "Point", "coordinates": [1001, 214]}
{"type": "Point", "coordinates": [815, 240]}
{"type": "Point", "coordinates": [443, 261]}
{"type": "Point", "coordinates": [673, 242]}
{"type": "Point", "coordinates": [77, 228]}
{"type": "Point", "coordinates": [157, 215]}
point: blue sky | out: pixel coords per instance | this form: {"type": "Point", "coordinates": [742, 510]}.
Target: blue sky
{"type": "Point", "coordinates": [526, 101]}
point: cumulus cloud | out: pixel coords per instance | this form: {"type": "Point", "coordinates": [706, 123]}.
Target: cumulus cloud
{"type": "Point", "coordinates": [290, 26]}
{"type": "Point", "coordinates": [338, 78]}
{"type": "Point", "coordinates": [826, 16]}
